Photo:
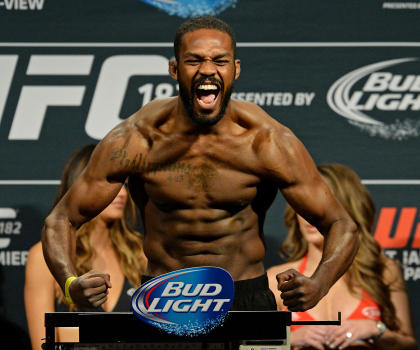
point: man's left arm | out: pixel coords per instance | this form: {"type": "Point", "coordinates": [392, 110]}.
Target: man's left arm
{"type": "Point", "coordinates": [291, 166]}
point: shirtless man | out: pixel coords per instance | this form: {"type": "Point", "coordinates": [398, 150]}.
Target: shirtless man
{"type": "Point", "coordinates": [203, 170]}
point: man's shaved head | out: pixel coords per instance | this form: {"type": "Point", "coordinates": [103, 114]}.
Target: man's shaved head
{"type": "Point", "coordinates": [204, 22]}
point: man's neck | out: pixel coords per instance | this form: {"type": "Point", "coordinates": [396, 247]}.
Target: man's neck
{"type": "Point", "coordinates": [187, 125]}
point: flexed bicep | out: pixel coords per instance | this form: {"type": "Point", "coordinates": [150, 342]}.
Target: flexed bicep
{"type": "Point", "coordinates": [308, 193]}
{"type": "Point", "coordinates": [301, 184]}
{"type": "Point", "coordinates": [91, 192]}
{"type": "Point", "coordinates": [286, 162]}
{"type": "Point", "coordinates": [89, 197]}
{"type": "Point", "coordinates": [101, 181]}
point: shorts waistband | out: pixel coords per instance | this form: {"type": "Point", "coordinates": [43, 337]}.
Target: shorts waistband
{"type": "Point", "coordinates": [253, 283]}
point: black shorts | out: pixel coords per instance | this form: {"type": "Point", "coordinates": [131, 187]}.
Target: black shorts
{"type": "Point", "coordinates": [250, 295]}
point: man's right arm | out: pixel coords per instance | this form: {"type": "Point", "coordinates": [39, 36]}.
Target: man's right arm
{"type": "Point", "coordinates": [92, 192]}
{"type": "Point", "coordinates": [286, 161]}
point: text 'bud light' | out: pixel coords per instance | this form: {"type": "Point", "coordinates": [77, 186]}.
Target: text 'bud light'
{"type": "Point", "coordinates": [187, 302]}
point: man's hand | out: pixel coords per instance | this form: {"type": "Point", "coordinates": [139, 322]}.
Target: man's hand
{"type": "Point", "coordinates": [299, 293]}
{"type": "Point", "coordinates": [90, 289]}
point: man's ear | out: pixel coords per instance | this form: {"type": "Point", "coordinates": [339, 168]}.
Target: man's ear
{"type": "Point", "coordinates": [173, 69]}
{"type": "Point", "coordinates": [237, 68]}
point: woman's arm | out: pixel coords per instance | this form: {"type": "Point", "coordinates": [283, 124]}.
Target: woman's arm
{"type": "Point", "coordinates": [39, 294]}
{"type": "Point", "coordinates": [404, 338]}
{"type": "Point", "coordinates": [367, 330]}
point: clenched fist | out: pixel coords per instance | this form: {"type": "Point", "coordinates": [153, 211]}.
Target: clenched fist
{"type": "Point", "coordinates": [90, 289]}
{"type": "Point", "coordinates": [299, 293]}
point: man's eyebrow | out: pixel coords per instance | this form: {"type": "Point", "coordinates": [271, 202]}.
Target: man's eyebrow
{"type": "Point", "coordinates": [192, 55]}
{"type": "Point", "coordinates": [195, 55]}
{"type": "Point", "coordinates": [223, 55]}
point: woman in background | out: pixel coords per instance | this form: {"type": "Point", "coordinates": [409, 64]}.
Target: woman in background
{"type": "Point", "coordinates": [371, 295]}
{"type": "Point", "coordinates": [108, 243]}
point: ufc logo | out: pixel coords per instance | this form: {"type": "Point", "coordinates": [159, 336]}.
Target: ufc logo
{"type": "Point", "coordinates": [107, 100]}
{"type": "Point", "coordinates": [394, 231]}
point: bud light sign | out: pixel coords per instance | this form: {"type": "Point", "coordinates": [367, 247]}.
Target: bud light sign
{"type": "Point", "coordinates": [185, 302]}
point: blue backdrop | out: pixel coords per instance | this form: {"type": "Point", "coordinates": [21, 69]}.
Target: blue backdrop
{"type": "Point", "coordinates": [344, 76]}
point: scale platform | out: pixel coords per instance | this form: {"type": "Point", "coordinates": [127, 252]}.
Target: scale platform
{"type": "Point", "coordinates": [244, 330]}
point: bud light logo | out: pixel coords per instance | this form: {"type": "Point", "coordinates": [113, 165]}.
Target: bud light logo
{"type": "Point", "coordinates": [192, 8]}
{"type": "Point", "coordinates": [185, 302]}
{"type": "Point", "coordinates": [375, 100]}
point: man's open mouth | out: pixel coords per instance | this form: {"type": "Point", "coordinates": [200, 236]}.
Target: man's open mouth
{"type": "Point", "coordinates": [207, 95]}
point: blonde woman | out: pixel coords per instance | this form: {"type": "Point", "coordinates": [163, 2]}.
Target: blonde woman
{"type": "Point", "coordinates": [371, 295]}
{"type": "Point", "coordinates": [107, 243]}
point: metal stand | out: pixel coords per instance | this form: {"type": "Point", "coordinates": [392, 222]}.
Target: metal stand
{"type": "Point", "coordinates": [244, 330]}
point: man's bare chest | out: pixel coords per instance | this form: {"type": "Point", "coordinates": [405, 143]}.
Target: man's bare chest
{"type": "Point", "coordinates": [203, 172]}
{"type": "Point", "coordinates": [199, 182]}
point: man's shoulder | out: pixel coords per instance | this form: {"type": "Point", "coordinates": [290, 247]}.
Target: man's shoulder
{"type": "Point", "coordinates": [140, 124]}
{"type": "Point", "coordinates": [258, 118]}
{"type": "Point", "coordinates": [252, 111]}
{"type": "Point", "coordinates": [154, 111]}
{"type": "Point", "coordinates": [269, 133]}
